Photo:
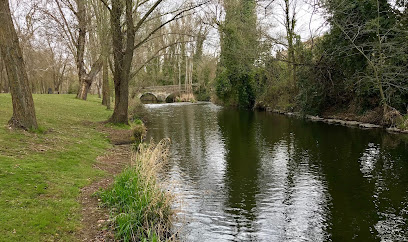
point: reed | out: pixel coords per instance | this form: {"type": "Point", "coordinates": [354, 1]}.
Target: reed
{"type": "Point", "coordinates": [140, 208]}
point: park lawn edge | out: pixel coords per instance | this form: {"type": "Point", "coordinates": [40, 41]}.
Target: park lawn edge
{"type": "Point", "coordinates": [42, 173]}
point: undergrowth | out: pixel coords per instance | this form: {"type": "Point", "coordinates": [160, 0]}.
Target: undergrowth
{"type": "Point", "coordinates": [404, 125]}
{"type": "Point", "coordinates": [140, 209]}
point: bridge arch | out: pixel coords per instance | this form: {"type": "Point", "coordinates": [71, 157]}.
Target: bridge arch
{"type": "Point", "coordinates": [171, 98]}
{"type": "Point", "coordinates": [148, 97]}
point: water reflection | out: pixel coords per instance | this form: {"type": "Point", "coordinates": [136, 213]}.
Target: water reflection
{"type": "Point", "coordinates": [370, 157]}
{"type": "Point", "coordinates": [242, 165]}
{"type": "Point", "coordinates": [294, 194]}
{"type": "Point", "coordinates": [248, 176]}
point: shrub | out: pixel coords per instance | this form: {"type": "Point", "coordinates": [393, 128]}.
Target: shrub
{"type": "Point", "coordinates": [73, 88]}
{"type": "Point", "coordinates": [139, 131]}
{"type": "Point", "coordinates": [137, 110]}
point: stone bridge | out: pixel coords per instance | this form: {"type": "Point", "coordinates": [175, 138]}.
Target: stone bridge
{"type": "Point", "coordinates": [161, 94]}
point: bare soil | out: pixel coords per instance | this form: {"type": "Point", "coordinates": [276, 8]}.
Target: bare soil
{"type": "Point", "coordinates": [95, 219]}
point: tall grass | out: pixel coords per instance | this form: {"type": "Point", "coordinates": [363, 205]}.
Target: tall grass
{"type": "Point", "coordinates": [141, 209]}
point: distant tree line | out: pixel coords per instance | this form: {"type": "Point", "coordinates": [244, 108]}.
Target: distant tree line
{"type": "Point", "coordinates": [69, 45]}
{"type": "Point", "coordinates": [359, 65]}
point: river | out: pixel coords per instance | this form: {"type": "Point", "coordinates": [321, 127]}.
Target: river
{"type": "Point", "coordinates": [256, 176]}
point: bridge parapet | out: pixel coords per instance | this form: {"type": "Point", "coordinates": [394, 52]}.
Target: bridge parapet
{"type": "Point", "coordinates": [167, 88]}
{"type": "Point", "coordinates": [161, 93]}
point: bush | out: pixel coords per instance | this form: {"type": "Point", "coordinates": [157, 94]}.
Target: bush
{"type": "Point", "coordinates": [404, 124]}
{"type": "Point", "coordinates": [73, 87]}
{"type": "Point", "coordinates": [139, 131]}
{"type": "Point", "coordinates": [202, 94]}
{"type": "Point", "coordinates": [137, 110]}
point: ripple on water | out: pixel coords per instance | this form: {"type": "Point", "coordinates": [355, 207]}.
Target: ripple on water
{"type": "Point", "coordinates": [247, 176]}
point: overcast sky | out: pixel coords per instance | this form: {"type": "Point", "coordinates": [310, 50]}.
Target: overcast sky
{"type": "Point", "coordinates": [310, 21]}
{"type": "Point", "coordinates": [270, 16]}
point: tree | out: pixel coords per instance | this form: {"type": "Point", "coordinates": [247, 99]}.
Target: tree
{"type": "Point", "coordinates": [68, 21]}
{"type": "Point", "coordinates": [367, 41]}
{"type": "Point", "coordinates": [23, 104]}
{"type": "Point", "coordinates": [290, 22]}
{"type": "Point", "coordinates": [3, 78]}
{"type": "Point", "coordinates": [127, 19]}
{"type": "Point", "coordinates": [103, 34]}
{"type": "Point", "coordinates": [164, 59]}
{"type": "Point", "coordinates": [85, 78]}
{"type": "Point", "coordinates": [238, 53]}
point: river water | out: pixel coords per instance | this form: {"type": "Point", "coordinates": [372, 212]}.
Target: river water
{"type": "Point", "coordinates": [256, 176]}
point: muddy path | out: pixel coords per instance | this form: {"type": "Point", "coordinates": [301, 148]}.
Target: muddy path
{"type": "Point", "coordinates": [95, 224]}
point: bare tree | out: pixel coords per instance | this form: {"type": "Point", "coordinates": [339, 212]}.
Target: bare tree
{"type": "Point", "coordinates": [85, 78]}
{"type": "Point", "coordinates": [102, 31]}
{"type": "Point", "coordinates": [68, 21]}
{"type": "Point", "coordinates": [127, 21]}
{"type": "Point", "coordinates": [23, 104]}
{"type": "Point", "coordinates": [380, 52]}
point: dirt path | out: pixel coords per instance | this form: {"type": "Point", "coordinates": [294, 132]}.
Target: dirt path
{"type": "Point", "coordinates": [95, 220]}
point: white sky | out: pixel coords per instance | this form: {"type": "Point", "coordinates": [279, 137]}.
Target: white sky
{"type": "Point", "coordinates": [310, 22]}
{"type": "Point", "coordinates": [270, 16]}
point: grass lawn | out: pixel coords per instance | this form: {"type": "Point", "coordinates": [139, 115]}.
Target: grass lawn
{"type": "Point", "coordinates": [41, 173]}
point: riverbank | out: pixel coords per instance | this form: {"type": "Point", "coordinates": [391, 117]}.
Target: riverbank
{"type": "Point", "coordinates": [48, 178]}
{"type": "Point", "coordinates": [42, 173]}
{"type": "Point", "coordinates": [341, 119]}
{"type": "Point", "coordinates": [96, 221]}
{"type": "Point", "coordinates": [140, 209]}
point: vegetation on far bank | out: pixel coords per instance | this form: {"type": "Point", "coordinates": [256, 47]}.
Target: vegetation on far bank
{"type": "Point", "coordinates": [140, 209]}
{"type": "Point", "coordinates": [356, 69]}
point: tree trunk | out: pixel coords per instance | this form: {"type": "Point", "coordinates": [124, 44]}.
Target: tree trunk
{"type": "Point", "coordinates": [105, 84]}
{"type": "Point", "coordinates": [84, 89]}
{"type": "Point", "coordinates": [22, 99]}
{"type": "Point", "coordinates": [102, 16]}
{"type": "Point", "coordinates": [99, 88]}
{"type": "Point", "coordinates": [179, 74]}
{"type": "Point", "coordinates": [84, 81]}
{"type": "Point", "coordinates": [81, 51]}
{"type": "Point", "coordinates": [120, 112]}
{"type": "Point", "coordinates": [122, 58]}
{"type": "Point", "coordinates": [1, 74]}
{"type": "Point", "coordinates": [59, 74]}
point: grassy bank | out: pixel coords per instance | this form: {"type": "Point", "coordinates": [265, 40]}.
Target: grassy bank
{"type": "Point", "coordinates": [140, 209]}
{"type": "Point", "coordinates": [41, 173]}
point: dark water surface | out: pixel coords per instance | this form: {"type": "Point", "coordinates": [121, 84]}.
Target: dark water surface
{"type": "Point", "coordinates": [253, 176]}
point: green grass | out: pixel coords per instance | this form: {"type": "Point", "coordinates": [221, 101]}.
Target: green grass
{"type": "Point", "coordinates": [129, 126]}
{"type": "Point", "coordinates": [41, 172]}
{"type": "Point", "coordinates": [118, 126]}
{"type": "Point", "coordinates": [141, 211]}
